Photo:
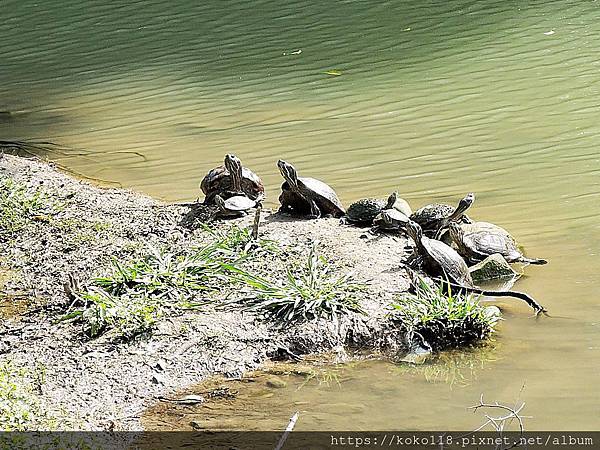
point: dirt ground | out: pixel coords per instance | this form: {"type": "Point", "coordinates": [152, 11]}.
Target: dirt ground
{"type": "Point", "coordinates": [99, 384]}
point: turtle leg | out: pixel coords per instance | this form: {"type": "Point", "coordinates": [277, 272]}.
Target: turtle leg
{"type": "Point", "coordinates": [209, 199]}
{"type": "Point", "coordinates": [315, 212]}
{"type": "Point", "coordinates": [525, 260]}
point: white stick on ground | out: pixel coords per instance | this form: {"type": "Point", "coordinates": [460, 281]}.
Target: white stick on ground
{"type": "Point", "coordinates": [287, 431]}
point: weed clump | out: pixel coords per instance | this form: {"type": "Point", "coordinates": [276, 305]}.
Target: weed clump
{"type": "Point", "coordinates": [20, 205]}
{"type": "Point", "coordinates": [308, 291]}
{"type": "Point", "coordinates": [132, 296]}
{"type": "Point", "coordinates": [20, 408]}
{"type": "Point", "coordinates": [444, 319]}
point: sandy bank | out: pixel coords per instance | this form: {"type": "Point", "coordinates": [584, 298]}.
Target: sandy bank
{"type": "Point", "coordinates": [101, 383]}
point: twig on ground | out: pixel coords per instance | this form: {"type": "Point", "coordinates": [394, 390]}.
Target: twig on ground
{"type": "Point", "coordinates": [499, 423]}
{"type": "Point", "coordinates": [288, 430]}
{"type": "Point", "coordinates": [72, 290]}
{"type": "Point", "coordinates": [256, 223]}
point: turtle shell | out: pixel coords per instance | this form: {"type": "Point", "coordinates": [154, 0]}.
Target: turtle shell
{"type": "Point", "coordinates": [239, 203]}
{"type": "Point", "coordinates": [399, 219]}
{"type": "Point", "coordinates": [322, 194]}
{"type": "Point", "coordinates": [447, 262]}
{"type": "Point", "coordinates": [365, 210]}
{"type": "Point", "coordinates": [480, 239]}
{"type": "Point", "coordinates": [218, 181]}
{"type": "Point", "coordinates": [430, 216]}
{"type": "Point", "coordinates": [402, 205]}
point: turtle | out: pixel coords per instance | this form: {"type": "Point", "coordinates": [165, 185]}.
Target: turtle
{"type": "Point", "coordinates": [235, 206]}
{"type": "Point", "coordinates": [230, 179]}
{"type": "Point", "coordinates": [441, 260]}
{"type": "Point", "coordinates": [395, 214]}
{"type": "Point", "coordinates": [476, 241]}
{"type": "Point", "coordinates": [368, 210]}
{"type": "Point", "coordinates": [399, 204]}
{"type": "Point", "coordinates": [390, 219]}
{"type": "Point", "coordinates": [363, 211]}
{"type": "Point", "coordinates": [307, 196]}
{"type": "Point", "coordinates": [434, 217]}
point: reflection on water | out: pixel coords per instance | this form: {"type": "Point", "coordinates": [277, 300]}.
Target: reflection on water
{"type": "Point", "coordinates": [332, 396]}
{"type": "Point", "coordinates": [434, 99]}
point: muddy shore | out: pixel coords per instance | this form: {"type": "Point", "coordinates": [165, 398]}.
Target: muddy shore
{"type": "Point", "coordinates": [100, 383]}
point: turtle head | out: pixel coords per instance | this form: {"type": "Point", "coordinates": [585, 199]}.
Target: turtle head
{"type": "Point", "coordinates": [289, 173]}
{"type": "Point", "coordinates": [232, 162]}
{"type": "Point", "coordinates": [465, 203]}
{"type": "Point", "coordinates": [414, 230]}
{"type": "Point", "coordinates": [391, 200]}
{"type": "Point", "coordinates": [234, 167]}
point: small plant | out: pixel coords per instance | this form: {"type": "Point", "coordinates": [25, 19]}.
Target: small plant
{"type": "Point", "coordinates": [127, 315]}
{"type": "Point", "coordinates": [326, 376]}
{"type": "Point", "coordinates": [132, 296]}
{"type": "Point", "coordinates": [80, 231]}
{"type": "Point", "coordinates": [444, 319]}
{"type": "Point", "coordinates": [19, 405]}
{"type": "Point", "coordinates": [240, 241]}
{"type": "Point", "coordinates": [307, 292]}
{"type": "Point", "coordinates": [167, 275]}
{"type": "Point", "coordinates": [19, 205]}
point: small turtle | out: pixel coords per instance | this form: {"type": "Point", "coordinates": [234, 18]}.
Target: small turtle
{"type": "Point", "coordinates": [391, 220]}
{"type": "Point", "coordinates": [307, 196]}
{"type": "Point", "coordinates": [231, 179]}
{"type": "Point", "coordinates": [235, 206]}
{"type": "Point", "coordinates": [443, 261]}
{"type": "Point", "coordinates": [476, 241]}
{"type": "Point", "coordinates": [363, 211]}
{"type": "Point", "coordinates": [436, 216]}
{"type": "Point", "coordinates": [398, 203]}
{"type": "Point", "coordinates": [367, 211]}
{"type": "Point", "coordinates": [394, 216]}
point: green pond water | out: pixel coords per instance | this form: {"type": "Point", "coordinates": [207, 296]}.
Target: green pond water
{"type": "Point", "coordinates": [434, 99]}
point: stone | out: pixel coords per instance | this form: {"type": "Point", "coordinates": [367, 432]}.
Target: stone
{"type": "Point", "coordinates": [494, 267]}
{"type": "Point", "coordinates": [276, 383]}
{"type": "Point", "coordinates": [493, 313]}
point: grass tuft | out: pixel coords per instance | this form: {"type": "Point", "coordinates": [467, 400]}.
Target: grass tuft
{"type": "Point", "coordinates": [132, 296]}
{"type": "Point", "coordinates": [239, 240]}
{"type": "Point", "coordinates": [20, 205]}
{"type": "Point", "coordinates": [444, 319]}
{"type": "Point", "coordinates": [20, 408]}
{"type": "Point", "coordinates": [308, 291]}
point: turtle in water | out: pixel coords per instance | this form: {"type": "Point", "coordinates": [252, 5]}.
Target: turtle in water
{"type": "Point", "coordinates": [441, 260]}
{"type": "Point", "coordinates": [236, 206]}
{"type": "Point", "coordinates": [435, 217]}
{"type": "Point", "coordinates": [231, 179]}
{"type": "Point", "coordinates": [307, 196]}
{"type": "Point", "coordinates": [394, 215]}
{"type": "Point", "coordinates": [476, 241]}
